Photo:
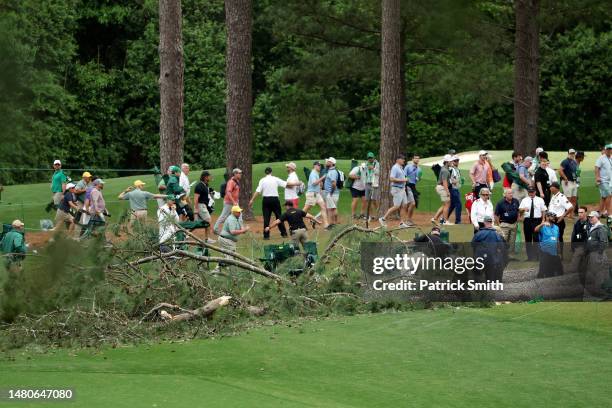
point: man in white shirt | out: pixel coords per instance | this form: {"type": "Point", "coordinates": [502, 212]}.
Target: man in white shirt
{"type": "Point", "coordinates": [560, 205]}
{"type": "Point", "coordinates": [168, 218]}
{"type": "Point", "coordinates": [268, 188]}
{"type": "Point", "coordinates": [293, 183]}
{"type": "Point", "coordinates": [481, 208]}
{"type": "Point", "coordinates": [358, 175]}
{"type": "Point", "coordinates": [184, 183]}
{"type": "Point", "coordinates": [532, 208]}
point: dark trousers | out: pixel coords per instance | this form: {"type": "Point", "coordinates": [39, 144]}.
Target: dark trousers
{"type": "Point", "coordinates": [531, 237]}
{"type": "Point", "coordinates": [478, 188]}
{"type": "Point", "coordinates": [455, 205]}
{"type": "Point", "coordinates": [415, 193]}
{"type": "Point", "coordinates": [272, 205]}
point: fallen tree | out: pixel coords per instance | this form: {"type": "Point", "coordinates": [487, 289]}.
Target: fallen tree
{"type": "Point", "coordinates": [207, 310]}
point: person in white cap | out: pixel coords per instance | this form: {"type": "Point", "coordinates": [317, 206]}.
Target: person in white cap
{"type": "Point", "coordinates": [443, 189]}
{"type": "Point", "coordinates": [67, 205]}
{"type": "Point", "coordinates": [567, 171]}
{"type": "Point", "coordinates": [293, 185]}
{"type": "Point", "coordinates": [398, 179]}
{"type": "Point", "coordinates": [331, 193]}
{"type": "Point", "coordinates": [479, 173]}
{"type": "Point", "coordinates": [13, 244]}
{"type": "Point", "coordinates": [58, 183]}
{"type": "Point", "coordinates": [358, 175]}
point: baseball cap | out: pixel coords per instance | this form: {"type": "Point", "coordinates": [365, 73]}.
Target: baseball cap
{"type": "Point", "coordinates": [487, 218]}
{"type": "Point", "coordinates": [331, 159]}
{"type": "Point", "coordinates": [98, 181]}
{"type": "Point", "coordinates": [291, 165]}
{"type": "Point", "coordinates": [455, 158]}
{"type": "Point", "coordinates": [555, 184]}
{"type": "Point", "coordinates": [86, 174]}
{"type": "Point", "coordinates": [447, 158]}
{"type": "Point", "coordinates": [370, 155]}
{"type": "Point", "coordinates": [316, 163]}
{"type": "Point", "coordinates": [139, 183]}
{"type": "Point", "coordinates": [594, 214]}
{"type": "Point", "coordinates": [570, 151]}
{"type": "Point", "coordinates": [539, 149]}
{"type": "Point", "coordinates": [17, 224]}
{"type": "Point", "coordinates": [236, 209]}
{"type": "Point", "coordinates": [482, 153]}
{"type": "Point", "coordinates": [57, 162]}
{"type": "Point", "coordinates": [531, 189]}
{"type": "Point", "coordinates": [609, 146]}
{"type": "Point", "coordinates": [70, 185]}
{"type": "Point", "coordinates": [236, 171]}
{"type": "Point", "coordinates": [174, 169]}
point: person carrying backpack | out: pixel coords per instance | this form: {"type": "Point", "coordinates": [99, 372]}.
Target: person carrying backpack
{"type": "Point", "coordinates": [331, 190]}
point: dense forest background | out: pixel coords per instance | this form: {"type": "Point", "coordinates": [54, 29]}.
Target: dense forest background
{"type": "Point", "coordinates": [79, 79]}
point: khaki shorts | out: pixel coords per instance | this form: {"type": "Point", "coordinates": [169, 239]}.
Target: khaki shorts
{"type": "Point", "coordinates": [227, 244]}
{"type": "Point", "coordinates": [140, 215]}
{"type": "Point", "coordinates": [331, 200]}
{"type": "Point", "coordinates": [314, 199]}
{"type": "Point", "coordinates": [372, 193]}
{"type": "Point", "coordinates": [203, 213]}
{"type": "Point", "coordinates": [57, 198]}
{"type": "Point", "coordinates": [570, 188]}
{"type": "Point", "coordinates": [443, 193]}
{"type": "Point", "coordinates": [299, 236]}
{"type": "Point", "coordinates": [63, 216]}
{"type": "Point", "coordinates": [399, 196]}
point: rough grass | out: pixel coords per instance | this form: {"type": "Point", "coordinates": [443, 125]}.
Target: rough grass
{"type": "Point", "coordinates": [520, 355]}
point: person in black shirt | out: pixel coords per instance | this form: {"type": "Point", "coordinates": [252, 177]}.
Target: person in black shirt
{"type": "Point", "coordinates": [542, 181]}
{"type": "Point", "coordinates": [202, 199]}
{"type": "Point", "coordinates": [68, 202]}
{"type": "Point", "coordinates": [435, 247]}
{"type": "Point", "coordinates": [295, 218]}
{"type": "Point", "coordinates": [506, 216]}
{"type": "Point", "coordinates": [580, 234]}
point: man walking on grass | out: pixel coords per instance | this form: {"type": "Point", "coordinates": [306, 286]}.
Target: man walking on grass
{"type": "Point", "coordinates": [293, 184]}
{"type": "Point", "coordinates": [603, 179]}
{"type": "Point", "coordinates": [331, 193]}
{"type": "Point", "coordinates": [358, 175]}
{"type": "Point", "coordinates": [413, 174]}
{"type": "Point", "coordinates": [506, 216]}
{"type": "Point", "coordinates": [397, 177]}
{"type": "Point", "coordinates": [372, 186]}
{"type": "Point", "coordinates": [232, 195]}
{"type": "Point", "coordinates": [567, 171]}
{"type": "Point", "coordinates": [443, 190]}
{"type": "Point", "coordinates": [313, 193]}
{"type": "Point", "coordinates": [268, 188]}
{"type": "Point", "coordinates": [66, 207]}
{"type": "Point", "coordinates": [455, 190]}
{"type": "Point", "coordinates": [58, 183]}
{"type": "Point", "coordinates": [202, 199]}
{"type": "Point", "coordinates": [479, 173]}
{"type": "Point", "coordinates": [138, 198]}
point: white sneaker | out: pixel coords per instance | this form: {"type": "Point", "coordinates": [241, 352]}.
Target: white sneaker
{"type": "Point", "coordinates": [404, 225]}
{"type": "Point", "coordinates": [448, 223]}
{"type": "Point", "coordinates": [382, 221]}
{"type": "Point", "coordinates": [210, 241]}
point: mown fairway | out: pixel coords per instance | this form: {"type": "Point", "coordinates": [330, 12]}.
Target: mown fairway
{"type": "Point", "coordinates": [518, 355]}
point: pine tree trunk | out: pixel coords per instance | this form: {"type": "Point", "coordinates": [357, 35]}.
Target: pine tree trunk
{"type": "Point", "coordinates": [171, 67]}
{"type": "Point", "coordinates": [239, 149]}
{"type": "Point", "coordinates": [526, 76]}
{"type": "Point", "coordinates": [390, 96]}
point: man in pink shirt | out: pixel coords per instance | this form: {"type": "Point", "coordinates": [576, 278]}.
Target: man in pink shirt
{"type": "Point", "coordinates": [232, 194]}
{"type": "Point", "coordinates": [479, 173]}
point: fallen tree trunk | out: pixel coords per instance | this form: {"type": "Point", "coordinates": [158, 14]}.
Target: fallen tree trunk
{"type": "Point", "coordinates": [344, 232]}
{"type": "Point", "coordinates": [205, 311]}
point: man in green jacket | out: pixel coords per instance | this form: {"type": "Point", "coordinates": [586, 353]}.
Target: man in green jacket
{"type": "Point", "coordinates": [13, 244]}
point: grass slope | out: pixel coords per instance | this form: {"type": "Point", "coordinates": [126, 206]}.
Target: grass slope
{"type": "Point", "coordinates": [519, 355]}
{"type": "Point", "coordinates": [27, 201]}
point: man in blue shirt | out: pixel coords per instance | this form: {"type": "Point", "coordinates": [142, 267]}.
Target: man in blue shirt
{"type": "Point", "coordinates": [397, 177]}
{"type": "Point", "coordinates": [413, 174]}
{"type": "Point", "coordinates": [506, 216]}
{"type": "Point", "coordinates": [489, 245]}
{"type": "Point", "coordinates": [313, 192]}
{"type": "Point", "coordinates": [331, 194]}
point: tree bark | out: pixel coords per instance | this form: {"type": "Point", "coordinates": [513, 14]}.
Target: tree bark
{"type": "Point", "coordinates": [526, 76]}
{"type": "Point", "coordinates": [238, 69]}
{"type": "Point", "coordinates": [390, 96]}
{"type": "Point", "coordinates": [171, 67]}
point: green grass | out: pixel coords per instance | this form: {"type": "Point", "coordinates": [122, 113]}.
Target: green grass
{"type": "Point", "coordinates": [27, 201]}
{"type": "Point", "coordinates": [518, 355]}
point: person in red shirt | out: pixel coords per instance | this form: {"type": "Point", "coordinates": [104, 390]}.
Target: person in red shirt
{"type": "Point", "coordinates": [232, 194]}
